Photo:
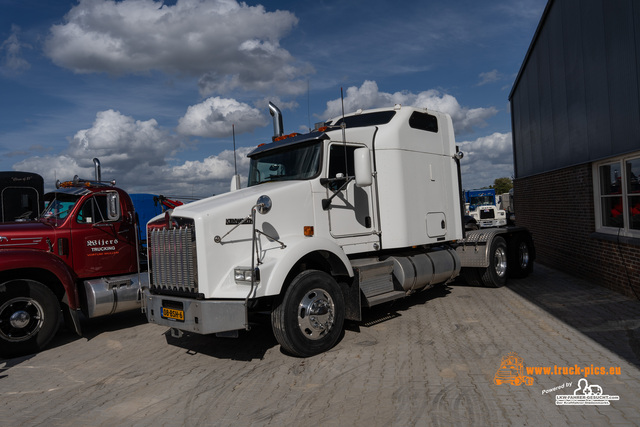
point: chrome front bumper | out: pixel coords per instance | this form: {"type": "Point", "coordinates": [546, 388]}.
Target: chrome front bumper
{"type": "Point", "coordinates": [199, 316]}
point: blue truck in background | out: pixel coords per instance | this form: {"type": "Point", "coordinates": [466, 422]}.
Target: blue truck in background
{"type": "Point", "coordinates": [148, 206]}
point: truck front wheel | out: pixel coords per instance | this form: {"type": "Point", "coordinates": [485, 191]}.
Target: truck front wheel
{"type": "Point", "coordinates": [309, 318]}
{"type": "Point", "coordinates": [495, 275]}
{"type": "Point", "coordinates": [29, 317]}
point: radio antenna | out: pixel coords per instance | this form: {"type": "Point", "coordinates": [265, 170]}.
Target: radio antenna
{"type": "Point", "coordinates": [308, 107]}
{"type": "Point", "coordinates": [233, 131]}
{"type": "Point", "coordinates": [343, 125]}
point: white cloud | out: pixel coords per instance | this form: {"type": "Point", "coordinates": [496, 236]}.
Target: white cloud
{"type": "Point", "coordinates": [486, 159]}
{"type": "Point", "coordinates": [137, 154]}
{"type": "Point", "coordinates": [127, 149]}
{"type": "Point", "coordinates": [230, 45]}
{"type": "Point", "coordinates": [52, 168]}
{"type": "Point", "coordinates": [489, 77]}
{"type": "Point", "coordinates": [368, 96]}
{"type": "Point", "coordinates": [13, 62]}
{"type": "Point", "coordinates": [115, 138]}
{"type": "Point", "coordinates": [517, 11]}
{"type": "Point", "coordinates": [211, 175]}
{"type": "Point", "coordinates": [140, 154]}
{"type": "Point", "coordinates": [214, 118]}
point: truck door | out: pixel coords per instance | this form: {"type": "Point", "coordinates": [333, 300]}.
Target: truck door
{"type": "Point", "coordinates": [103, 239]}
{"type": "Point", "coordinates": [352, 211]}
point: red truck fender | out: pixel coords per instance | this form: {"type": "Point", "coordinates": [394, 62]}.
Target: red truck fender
{"type": "Point", "coordinates": [33, 259]}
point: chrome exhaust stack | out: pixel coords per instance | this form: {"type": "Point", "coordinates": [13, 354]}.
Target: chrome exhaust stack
{"type": "Point", "coordinates": [277, 120]}
{"type": "Point", "coordinates": [96, 165]}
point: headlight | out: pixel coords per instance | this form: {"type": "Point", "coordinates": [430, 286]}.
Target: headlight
{"type": "Point", "coordinates": [242, 275]}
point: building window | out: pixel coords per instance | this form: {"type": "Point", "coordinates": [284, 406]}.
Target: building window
{"type": "Point", "coordinates": [617, 195]}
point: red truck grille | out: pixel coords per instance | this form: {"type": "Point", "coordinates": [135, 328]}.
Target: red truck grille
{"type": "Point", "coordinates": [172, 256]}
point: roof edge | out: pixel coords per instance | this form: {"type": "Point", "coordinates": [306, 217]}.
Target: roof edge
{"type": "Point", "coordinates": [545, 14]}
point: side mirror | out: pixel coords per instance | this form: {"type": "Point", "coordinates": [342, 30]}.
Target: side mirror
{"type": "Point", "coordinates": [113, 206]}
{"type": "Point", "coordinates": [362, 165]}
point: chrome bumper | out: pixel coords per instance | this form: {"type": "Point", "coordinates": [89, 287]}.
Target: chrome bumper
{"type": "Point", "coordinates": [200, 316]}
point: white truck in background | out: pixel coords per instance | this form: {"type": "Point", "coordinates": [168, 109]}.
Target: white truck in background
{"type": "Point", "coordinates": [482, 206]}
{"type": "Point", "coordinates": [363, 210]}
{"type": "Point", "coordinates": [505, 202]}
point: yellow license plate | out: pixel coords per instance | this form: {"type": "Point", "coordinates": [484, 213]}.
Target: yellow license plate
{"type": "Point", "coordinates": [171, 313]}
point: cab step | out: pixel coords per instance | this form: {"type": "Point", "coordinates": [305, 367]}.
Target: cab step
{"type": "Point", "coordinates": [375, 279]}
{"type": "Point", "coordinates": [382, 298]}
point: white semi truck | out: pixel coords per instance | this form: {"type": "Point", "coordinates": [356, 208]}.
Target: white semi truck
{"type": "Point", "coordinates": [363, 210]}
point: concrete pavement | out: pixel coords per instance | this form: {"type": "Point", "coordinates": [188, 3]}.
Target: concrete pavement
{"type": "Point", "coordinates": [428, 360]}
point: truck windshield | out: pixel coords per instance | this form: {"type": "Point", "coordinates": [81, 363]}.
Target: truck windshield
{"type": "Point", "coordinates": [59, 207]}
{"type": "Point", "coordinates": [482, 200]}
{"type": "Point", "coordinates": [295, 163]}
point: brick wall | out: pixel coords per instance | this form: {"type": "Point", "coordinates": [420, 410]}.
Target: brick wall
{"type": "Point", "coordinates": [557, 207]}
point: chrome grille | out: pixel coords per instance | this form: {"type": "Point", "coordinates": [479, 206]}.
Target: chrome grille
{"type": "Point", "coordinates": [173, 259]}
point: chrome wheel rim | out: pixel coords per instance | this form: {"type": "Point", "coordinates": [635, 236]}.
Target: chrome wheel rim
{"type": "Point", "coordinates": [20, 319]}
{"type": "Point", "coordinates": [500, 257]}
{"type": "Point", "coordinates": [523, 255]}
{"type": "Point", "coordinates": [316, 314]}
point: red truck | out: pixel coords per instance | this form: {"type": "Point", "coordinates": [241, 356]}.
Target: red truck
{"type": "Point", "coordinates": [82, 255]}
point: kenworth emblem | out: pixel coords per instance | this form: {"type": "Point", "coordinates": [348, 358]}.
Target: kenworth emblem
{"type": "Point", "coordinates": [236, 221]}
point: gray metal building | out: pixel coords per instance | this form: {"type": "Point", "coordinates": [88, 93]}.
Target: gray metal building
{"type": "Point", "coordinates": [575, 108]}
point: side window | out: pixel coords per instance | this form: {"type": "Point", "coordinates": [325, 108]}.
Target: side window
{"type": "Point", "coordinates": [632, 172]}
{"type": "Point", "coordinates": [24, 203]}
{"type": "Point", "coordinates": [424, 121]}
{"type": "Point", "coordinates": [611, 195]}
{"type": "Point", "coordinates": [337, 162]}
{"type": "Point", "coordinates": [99, 208]}
{"type": "Point", "coordinates": [617, 194]}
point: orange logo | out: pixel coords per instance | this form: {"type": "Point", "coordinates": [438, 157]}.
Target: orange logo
{"type": "Point", "coordinates": [511, 371]}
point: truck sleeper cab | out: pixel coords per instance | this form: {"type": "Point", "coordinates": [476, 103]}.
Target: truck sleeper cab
{"type": "Point", "coordinates": [363, 210]}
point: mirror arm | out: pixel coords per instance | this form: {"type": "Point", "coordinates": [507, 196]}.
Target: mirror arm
{"type": "Point", "coordinates": [327, 202]}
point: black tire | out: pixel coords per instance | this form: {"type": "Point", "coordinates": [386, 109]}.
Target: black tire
{"type": "Point", "coordinates": [495, 275]}
{"type": "Point", "coordinates": [29, 317]}
{"type": "Point", "coordinates": [521, 256]}
{"type": "Point", "coordinates": [309, 318]}
{"type": "Point", "coordinates": [472, 276]}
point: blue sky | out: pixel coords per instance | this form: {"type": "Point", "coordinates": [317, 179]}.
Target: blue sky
{"type": "Point", "coordinates": [153, 88]}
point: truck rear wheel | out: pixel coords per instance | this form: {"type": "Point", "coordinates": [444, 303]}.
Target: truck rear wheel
{"type": "Point", "coordinates": [472, 276]}
{"type": "Point", "coordinates": [309, 318]}
{"type": "Point", "coordinates": [495, 275]}
{"type": "Point", "coordinates": [521, 256]}
{"type": "Point", "coordinates": [29, 317]}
